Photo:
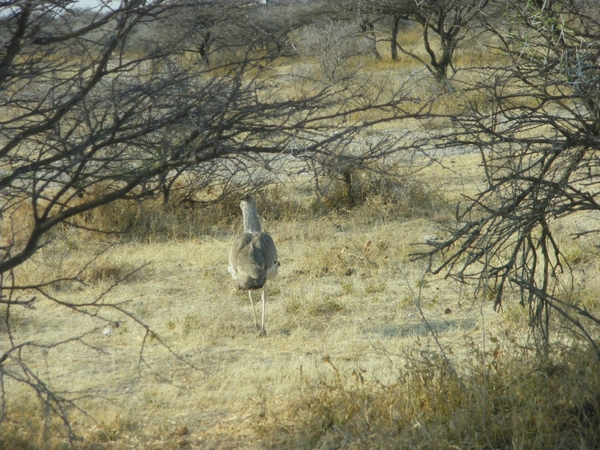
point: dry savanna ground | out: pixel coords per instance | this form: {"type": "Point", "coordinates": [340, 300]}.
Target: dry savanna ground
{"type": "Point", "coordinates": [364, 349]}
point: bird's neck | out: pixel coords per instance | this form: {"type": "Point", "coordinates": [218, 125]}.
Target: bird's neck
{"type": "Point", "coordinates": [251, 222]}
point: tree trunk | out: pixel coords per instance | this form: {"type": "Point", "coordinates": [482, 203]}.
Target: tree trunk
{"type": "Point", "coordinates": [394, 38]}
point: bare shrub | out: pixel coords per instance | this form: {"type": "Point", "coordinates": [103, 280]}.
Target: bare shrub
{"type": "Point", "coordinates": [381, 192]}
{"type": "Point", "coordinates": [509, 400]}
{"type": "Point", "coordinates": [534, 127]}
{"type": "Point", "coordinates": [333, 44]}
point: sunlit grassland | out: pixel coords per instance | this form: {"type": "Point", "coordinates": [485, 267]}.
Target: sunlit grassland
{"type": "Point", "coordinates": [365, 349]}
{"type": "Point", "coordinates": [341, 285]}
{"type": "Point", "coordinates": [353, 352]}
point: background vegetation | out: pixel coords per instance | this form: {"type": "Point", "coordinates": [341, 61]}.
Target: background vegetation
{"type": "Point", "coordinates": [427, 170]}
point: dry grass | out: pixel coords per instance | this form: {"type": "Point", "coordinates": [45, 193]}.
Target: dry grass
{"type": "Point", "coordinates": [349, 361]}
{"type": "Point", "coordinates": [502, 401]}
{"type": "Point", "coordinates": [364, 350]}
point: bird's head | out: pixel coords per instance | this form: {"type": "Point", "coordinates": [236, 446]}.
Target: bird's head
{"type": "Point", "coordinates": [248, 201]}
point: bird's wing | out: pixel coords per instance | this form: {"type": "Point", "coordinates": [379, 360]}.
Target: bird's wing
{"type": "Point", "coordinates": [246, 262]}
{"type": "Point", "coordinates": [263, 243]}
{"type": "Point", "coordinates": [238, 244]}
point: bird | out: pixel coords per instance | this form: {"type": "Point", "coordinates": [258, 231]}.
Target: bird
{"type": "Point", "coordinates": [253, 257]}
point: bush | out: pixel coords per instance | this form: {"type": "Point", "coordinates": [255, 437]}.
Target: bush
{"type": "Point", "coordinates": [382, 193]}
{"type": "Point", "coordinates": [511, 401]}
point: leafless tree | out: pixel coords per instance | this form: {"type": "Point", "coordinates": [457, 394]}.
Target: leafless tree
{"type": "Point", "coordinates": [218, 28]}
{"type": "Point", "coordinates": [89, 116]}
{"type": "Point", "coordinates": [536, 122]}
{"type": "Point", "coordinates": [445, 24]}
{"type": "Point", "coordinates": [333, 44]}
{"type": "Point", "coordinates": [450, 21]}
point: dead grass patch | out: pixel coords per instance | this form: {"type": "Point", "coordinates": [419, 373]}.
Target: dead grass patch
{"type": "Point", "coordinates": [374, 194]}
{"type": "Point", "coordinates": [500, 399]}
{"type": "Point", "coordinates": [503, 397]}
{"type": "Point", "coordinates": [348, 361]}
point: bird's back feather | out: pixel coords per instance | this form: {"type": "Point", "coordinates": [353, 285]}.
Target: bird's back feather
{"type": "Point", "coordinates": [253, 258]}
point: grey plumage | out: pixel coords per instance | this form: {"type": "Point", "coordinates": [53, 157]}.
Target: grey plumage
{"type": "Point", "coordinates": [253, 257]}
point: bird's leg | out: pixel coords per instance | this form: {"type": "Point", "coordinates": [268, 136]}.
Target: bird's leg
{"type": "Point", "coordinates": [263, 332]}
{"type": "Point", "coordinates": [253, 308]}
